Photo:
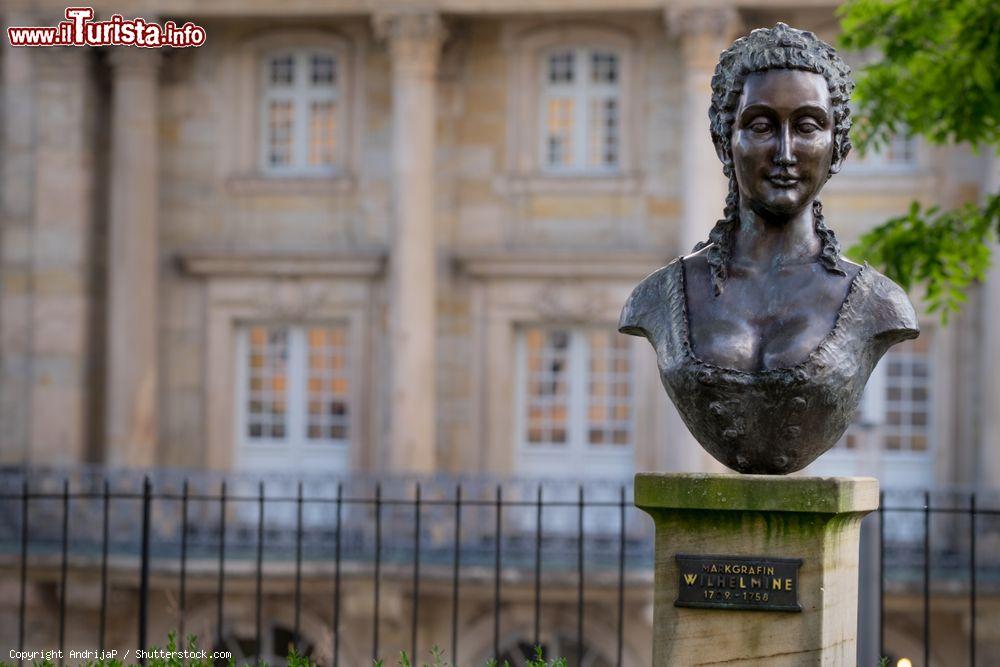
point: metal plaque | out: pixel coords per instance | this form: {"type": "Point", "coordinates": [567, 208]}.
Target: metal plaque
{"type": "Point", "coordinates": [738, 582]}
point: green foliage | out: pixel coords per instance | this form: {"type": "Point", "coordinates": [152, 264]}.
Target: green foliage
{"type": "Point", "coordinates": [938, 74]}
{"type": "Point", "coordinates": [537, 661]}
{"type": "Point", "coordinates": [173, 658]}
{"type": "Point", "coordinates": [937, 77]}
{"type": "Point", "coordinates": [944, 251]}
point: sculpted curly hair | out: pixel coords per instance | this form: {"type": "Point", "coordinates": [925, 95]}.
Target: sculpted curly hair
{"type": "Point", "coordinates": [780, 47]}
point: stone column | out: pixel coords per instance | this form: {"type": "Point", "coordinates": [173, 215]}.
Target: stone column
{"type": "Point", "coordinates": [702, 35]}
{"type": "Point", "coordinates": [46, 298]}
{"type": "Point", "coordinates": [133, 261]}
{"type": "Point", "coordinates": [414, 40]}
{"type": "Point", "coordinates": [987, 463]}
{"type": "Point", "coordinates": [755, 570]}
{"type": "Point", "coordinates": [17, 169]}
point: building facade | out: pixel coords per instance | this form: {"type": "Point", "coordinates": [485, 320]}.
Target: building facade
{"type": "Point", "coordinates": [347, 238]}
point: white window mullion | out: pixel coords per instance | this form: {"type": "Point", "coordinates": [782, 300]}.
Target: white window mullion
{"type": "Point", "coordinates": [301, 129]}
{"type": "Point", "coordinates": [581, 110]}
{"type": "Point", "coordinates": [577, 393]}
{"type": "Point", "coordinates": [296, 390]}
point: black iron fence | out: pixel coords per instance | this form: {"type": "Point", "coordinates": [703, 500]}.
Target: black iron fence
{"type": "Point", "coordinates": [455, 535]}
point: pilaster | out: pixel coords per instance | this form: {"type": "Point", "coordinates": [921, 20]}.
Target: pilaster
{"type": "Point", "coordinates": [133, 260]}
{"type": "Point", "coordinates": [414, 41]}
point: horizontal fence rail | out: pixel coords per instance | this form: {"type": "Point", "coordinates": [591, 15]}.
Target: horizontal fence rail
{"type": "Point", "coordinates": [444, 536]}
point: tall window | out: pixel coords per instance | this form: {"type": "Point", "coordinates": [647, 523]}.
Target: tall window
{"type": "Point", "coordinates": [581, 110]}
{"type": "Point", "coordinates": [302, 112]}
{"type": "Point", "coordinates": [896, 407]}
{"type": "Point", "coordinates": [907, 397]}
{"type": "Point", "coordinates": [575, 399]}
{"type": "Point", "coordinates": [294, 391]}
{"type": "Point", "coordinates": [899, 153]}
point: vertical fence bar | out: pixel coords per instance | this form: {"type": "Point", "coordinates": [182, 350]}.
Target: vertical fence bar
{"type": "Point", "coordinates": [260, 566]}
{"type": "Point", "coordinates": [63, 569]}
{"type": "Point", "coordinates": [538, 568]}
{"type": "Point", "coordinates": [147, 502]}
{"type": "Point", "coordinates": [182, 600]}
{"type": "Point", "coordinates": [927, 578]}
{"type": "Point", "coordinates": [416, 575]}
{"type": "Point", "coordinates": [378, 566]}
{"type": "Point", "coordinates": [579, 580]}
{"type": "Point", "coordinates": [336, 576]}
{"type": "Point", "coordinates": [222, 566]}
{"type": "Point", "coordinates": [454, 574]}
{"type": "Point", "coordinates": [496, 575]}
{"type": "Point", "coordinates": [881, 573]}
{"type": "Point", "coordinates": [24, 569]}
{"type": "Point", "coordinates": [298, 565]}
{"type": "Point", "coordinates": [972, 579]}
{"type": "Point", "coordinates": [103, 623]}
{"type": "Point", "coordinates": [621, 576]}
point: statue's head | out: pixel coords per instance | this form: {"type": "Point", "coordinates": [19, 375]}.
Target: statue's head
{"type": "Point", "coordinates": [779, 121]}
{"type": "Point", "coordinates": [784, 49]}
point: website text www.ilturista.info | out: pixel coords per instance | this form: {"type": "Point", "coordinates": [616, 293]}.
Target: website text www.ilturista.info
{"type": "Point", "coordinates": [126, 655]}
{"type": "Point", "coordinates": [79, 29]}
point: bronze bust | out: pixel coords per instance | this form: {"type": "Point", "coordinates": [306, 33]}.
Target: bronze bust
{"type": "Point", "coordinates": [765, 336]}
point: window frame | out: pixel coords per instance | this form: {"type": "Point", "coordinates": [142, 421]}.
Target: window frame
{"type": "Point", "coordinates": [241, 145]}
{"type": "Point", "coordinates": [582, 91]}
{"type": "Point", "coordinates": [877, 162]}
{"type": "Point", "coordinates": [296, 448]}
{"type": "Point", "coordinates": [870, 455]}
{"type": "Point", "coordinates": [526, 46]}
{"type": "Point", "coordinates": [302, 94]}
{"type": "Point", "coordinates": [586, 455]}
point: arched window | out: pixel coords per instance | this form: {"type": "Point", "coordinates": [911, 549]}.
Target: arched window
{"type": "Point", "coordinates": [581, 110]}
{"type": "Point", "coordinates": [574, 105]}
{"type": "Point", "coordinates": [302, 112]}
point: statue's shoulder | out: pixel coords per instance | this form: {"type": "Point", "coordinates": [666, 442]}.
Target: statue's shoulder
{"type": "Point", "coordinates": [648, 308]}
{"type": "Point", "coordinates": [890, 312]}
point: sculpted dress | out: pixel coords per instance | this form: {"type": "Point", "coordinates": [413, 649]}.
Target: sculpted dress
{"type": "Point", "coordinates": [773, 421]}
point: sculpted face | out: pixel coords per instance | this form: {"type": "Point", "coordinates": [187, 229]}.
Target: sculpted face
{"type": "Point", "coordinates": [782, 140]}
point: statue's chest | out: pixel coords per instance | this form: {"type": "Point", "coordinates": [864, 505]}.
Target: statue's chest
{"type": "Point", "coordinates": [764, 324]}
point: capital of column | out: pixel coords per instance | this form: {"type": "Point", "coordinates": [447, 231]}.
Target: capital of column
{"type": "Point", "coordinates": [132, 61]}
{"type": "Point", "coordinates": [414, 37]}
{"type": "Point", "coordinates": [61, 63]}
{"type": "Point", "coordinates": [703, 32]}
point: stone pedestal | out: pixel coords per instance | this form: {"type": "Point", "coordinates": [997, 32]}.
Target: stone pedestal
{"type": "Point", "coordinates": [745, 535]}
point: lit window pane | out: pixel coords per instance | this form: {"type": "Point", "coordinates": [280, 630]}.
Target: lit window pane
{"type": "Point", "coordinates": [609, 411]}
{"type": "Point", "coordinates": [322, 132]}
{"type": "Point", "coordinates": [547, 389]}
{"type": "Point", "coordinates": [279, 126]}
{"type": "Point", "coordinates": [602, 137]}
{"type": "Point", "coordinates": [267, 369]}
{"type": "Point", "coordinates": [328, 384]}
{"type": "Point", "coordinates": [559, 128]}
{"type": "Point", "coordinates": [908, 397]}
